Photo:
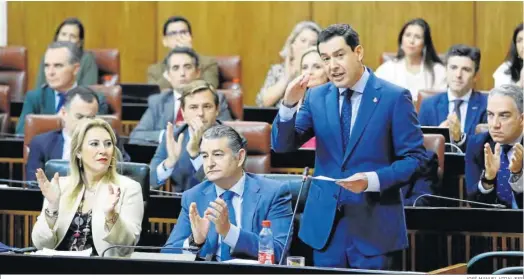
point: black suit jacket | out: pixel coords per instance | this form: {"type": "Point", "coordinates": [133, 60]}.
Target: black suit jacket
{"type": "Point", "coordinates": [50, 145]}
{"type": "Point", "coordinates": [474, 168]}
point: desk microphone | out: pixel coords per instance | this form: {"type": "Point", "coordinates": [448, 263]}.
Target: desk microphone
{"type": "Point", "coordinates": [29, 182]}
{"type": "Point", "coordinates": [151, 248]}
{"type": "Point", "coordinates": [496, 205]}
{"type": "Point", "coordinates": [289, 232]}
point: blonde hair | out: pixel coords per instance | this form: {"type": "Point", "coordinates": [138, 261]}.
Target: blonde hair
{"type": "Point", "coordinates": [76, 176]}
{"type": "Point", "coordinates": [286, 50]}
{"type": "Point", "coordinates": [306, 52]}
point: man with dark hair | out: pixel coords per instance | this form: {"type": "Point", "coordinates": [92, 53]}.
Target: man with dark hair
{"type": "Point", "coordinates": [460, 109]}
{"type": "Point", "coordinates": [368, 139]}
{"type": "Point", "coordinates": [177, 33]}
{"type": "Point", "coordinates": [81, 102]}
{"type": "Point", "coordinates": [494, 158]}
{"type": "Point", "coordinates": [182, 68]}
{"type": "Point", "coordinates": [177, 157]}
{"type": "Point", "coordinates": [223, 216]}
{"type": "Point", "coordinates": [61, 65]}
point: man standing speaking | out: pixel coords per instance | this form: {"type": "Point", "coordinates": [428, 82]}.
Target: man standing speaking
{"type": "Point", "coordinates": [367, 131]}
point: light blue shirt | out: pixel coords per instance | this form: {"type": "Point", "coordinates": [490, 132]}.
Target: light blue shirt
{"type": "Point", "coordinates": [286, 114]}
{"type": "Point", "coordinates": [232, 236]}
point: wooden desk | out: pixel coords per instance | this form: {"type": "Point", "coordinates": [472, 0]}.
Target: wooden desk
{"type": "Point", "coordinates": [438, 237]}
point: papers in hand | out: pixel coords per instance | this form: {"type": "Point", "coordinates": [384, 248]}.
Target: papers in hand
{"type": "Point", "coordinates": [51, 252]}
{"type": "Point", "coordinates": [325, 178]}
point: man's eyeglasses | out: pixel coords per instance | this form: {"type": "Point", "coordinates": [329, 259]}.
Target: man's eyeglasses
{"type": "Point", "coordinates": [174, 33]}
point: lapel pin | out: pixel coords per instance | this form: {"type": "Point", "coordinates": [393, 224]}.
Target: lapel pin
{"type": "Point", "coordinates": [474, 108]}
{"type": "Point", "coordinates": [375, 100]}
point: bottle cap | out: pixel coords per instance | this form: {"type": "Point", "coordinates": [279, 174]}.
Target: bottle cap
{"type": "Point", "coordinates": [266, 223]}
{"type": "Point", "coordinates": [236, 80]}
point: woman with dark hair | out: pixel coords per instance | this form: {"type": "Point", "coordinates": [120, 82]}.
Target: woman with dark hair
{"type": "Point", "coordinates": [510, 72]}
{"type": "Point", "coordinates": [416, 65]}
{"type": "Point", "coordinates": [72, 30]}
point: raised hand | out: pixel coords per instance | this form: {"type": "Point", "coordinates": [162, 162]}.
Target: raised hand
{"type": "Point", "coordinates": [199, 225]}
{"type": "Point", "coordinates": [218, 213]}
{"type": "Point", "coordinates": [112, 201]}
{"type": "Point", "coordinates": [296, 89]}
{"type": "Point", "coordinates": [174, 148]}
{"type": "Point", "coordinates": [184, 40]}
{"type": "Point", "coordinates": [454, 127]}
{"type": "Point", "coordinates": [50, 190]}
{"type": "Point", "coordinates": [197, 128]}
{"type": "Point", "coordinates": [491, 161]}
{"type": "Point", "coordinates": [515, 162]}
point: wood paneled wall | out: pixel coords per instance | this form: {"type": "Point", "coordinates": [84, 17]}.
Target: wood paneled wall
{"type": "Point", "coordinates": [257, 30]}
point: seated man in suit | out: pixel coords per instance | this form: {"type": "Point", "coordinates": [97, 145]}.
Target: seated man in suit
{"type": "Point", "coordinates": [178, 155]}
{"type": "Point", "coordinates": [183, 67]}
{"type": "Point", "coordinates": [494, 158]}
{"type": "Point", "coordinates": [177, 33]}
{"type": "Point", "coordinates": [461, 108]}
{"type": "Point", "coordinates": [81, 102]}
{"type": "Point", "coordinates": [223, 215]}
{"type": "Point", "coordinates": [61, 65]}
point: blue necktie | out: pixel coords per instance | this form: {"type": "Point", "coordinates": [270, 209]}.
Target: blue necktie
{"type": "Point", "coordinates": [504, 191]}
{"type": "Point", "coordinates": [225, 250]}
{"type": "Point", "coordinates": [457, 107]}
{"type": "Point", "coordinates": [61, 100]}
{"type": "Point", "coordinates": [345, 118]}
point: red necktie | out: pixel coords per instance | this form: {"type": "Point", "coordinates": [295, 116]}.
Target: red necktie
{"type": "Point", "coordinates": [179, 118]}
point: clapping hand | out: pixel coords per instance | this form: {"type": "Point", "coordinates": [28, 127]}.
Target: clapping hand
{"type": "Point", "coordinates": [50, 190]}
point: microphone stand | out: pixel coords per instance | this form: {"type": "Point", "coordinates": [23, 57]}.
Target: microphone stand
{"type": "Point", "coordinates": [284, 250]}
{"type": "Point", "coordinates": [458, 200]}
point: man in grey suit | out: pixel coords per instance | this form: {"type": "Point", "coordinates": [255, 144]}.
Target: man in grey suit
{"type": "Point", "coordinates": [178, 155]}
{"type": "Point", "coordinates": [182, 67]}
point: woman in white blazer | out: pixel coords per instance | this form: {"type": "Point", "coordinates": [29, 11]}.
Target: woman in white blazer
{"type": "Point", "coordinates": [511, 71]}
{"type": "Point", "coordinates": [94, 207]}
{"type": "Point", "coordinates": [416, 65]}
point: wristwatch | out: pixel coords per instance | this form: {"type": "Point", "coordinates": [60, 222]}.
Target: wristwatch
{"type": "Point", "coordinates": [484, 180]}
{"type": "Point", "coordinates": [192, 242]}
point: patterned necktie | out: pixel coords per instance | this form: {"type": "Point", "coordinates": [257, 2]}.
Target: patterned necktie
{"type": "Point", "coordinates": [457, 107]}
{"type": "Point", "coordinates": [345, 118]}
{"type": "Point", "coordinates": [225, 250]}
{"type": "Point", "coordinates": [504, 191]}
{"type": "Point", "coordinates": [61, 100]}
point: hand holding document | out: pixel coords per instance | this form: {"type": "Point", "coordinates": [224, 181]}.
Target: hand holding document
{"type": "Point", "coordinates": [357, 183]}
{"type": "Point", "coordinates": [325, 178]}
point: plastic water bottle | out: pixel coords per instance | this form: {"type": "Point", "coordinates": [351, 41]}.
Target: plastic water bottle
{"type": "Point", "coordinates": [235, 87]}
{"type": "Point", "coordinates": [266, 250]}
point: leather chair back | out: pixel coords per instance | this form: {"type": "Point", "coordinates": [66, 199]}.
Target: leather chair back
{"type": "Point", "coordinates": [113, 95]}
{"type": "Point", "coordinates": [423, 94]}
{"type": "Point", "coordinates": [5, 108]}
{"type": "Point", "coordinates": [36, 124]}
{"type": "Point", "coordinates": [13, 70]}
{"type": "Point", "coordinates": [234, 102]}
{"type": "Point", "coordinates": [258, 139]}
{"type": "Point", "coordinates": [481, 128]}
{"type": "Point", "coordinates": [483, 263]}
{"type": "Point", "coordinates": [108, 62]}
{"type": "Point", "coordinates": [229, 71]}
{"type": "Point", "coordinates": [436, 143]}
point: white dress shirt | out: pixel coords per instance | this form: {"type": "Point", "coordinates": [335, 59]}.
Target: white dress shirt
{"type": "Point", "coordinates": [286, 114]}
{"type": "Point", "coordinates": [463, 107]}
{"type": "Point", "coordinates": [232, 236]}
{"type": "Point", "coordinates": [517, 186]}
{"type": "Point", "coordinates": [66, 151]}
